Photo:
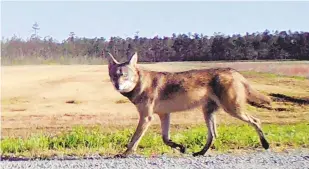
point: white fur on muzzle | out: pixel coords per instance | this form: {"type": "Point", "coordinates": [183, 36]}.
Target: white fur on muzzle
{"type": "Point", "coordinates": [125, 86]}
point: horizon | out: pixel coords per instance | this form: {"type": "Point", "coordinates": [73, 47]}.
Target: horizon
{"type": "Point", "coordinates": [100, 19]}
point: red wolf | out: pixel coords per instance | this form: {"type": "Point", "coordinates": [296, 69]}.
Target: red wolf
{"type": "Point", "coordinates": [162, 93]}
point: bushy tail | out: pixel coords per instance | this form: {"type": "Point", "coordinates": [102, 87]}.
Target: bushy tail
{"type": "Point", "coordinates": [256, 98]}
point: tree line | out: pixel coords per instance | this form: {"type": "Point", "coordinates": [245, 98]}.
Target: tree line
{"type": "Point", "coordinates": [180, 47]}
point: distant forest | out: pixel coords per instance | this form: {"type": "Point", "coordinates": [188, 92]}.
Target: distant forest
{"type": "Point", "coordinates": [178, 47]}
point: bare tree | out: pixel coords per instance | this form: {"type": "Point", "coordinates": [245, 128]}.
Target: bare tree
{"type": "Point", "coordinates": [35, 27]}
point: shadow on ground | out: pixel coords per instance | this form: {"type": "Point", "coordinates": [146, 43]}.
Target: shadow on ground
{"type": "Point", "coordinates": [284, 98]}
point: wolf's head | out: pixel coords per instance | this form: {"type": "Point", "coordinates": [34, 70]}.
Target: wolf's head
{"type": "Point", "coordinates": [124, 76]}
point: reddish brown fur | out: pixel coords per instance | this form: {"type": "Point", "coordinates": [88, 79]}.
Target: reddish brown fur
{"type": "Point", "coordinates": [164, 92]}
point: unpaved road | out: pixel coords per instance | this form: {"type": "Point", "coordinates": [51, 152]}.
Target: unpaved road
{"type": "Point", "coordinates": [260, 160]}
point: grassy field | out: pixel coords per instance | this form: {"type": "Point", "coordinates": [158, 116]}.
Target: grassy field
{"type": "Point", "coordinates": [42, 105]}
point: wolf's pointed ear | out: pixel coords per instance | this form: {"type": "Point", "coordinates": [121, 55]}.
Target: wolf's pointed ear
{"type": "Point", "coordinates": [111, 59]}
{"type": "Point", "coordinates": [133, 60]}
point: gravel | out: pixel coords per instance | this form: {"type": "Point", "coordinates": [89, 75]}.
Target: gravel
{"type": "Point", "coordinates": [290, 160]}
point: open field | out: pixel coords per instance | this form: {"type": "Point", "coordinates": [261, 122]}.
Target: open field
{"type": "Point", "coordinates": [57, 97]}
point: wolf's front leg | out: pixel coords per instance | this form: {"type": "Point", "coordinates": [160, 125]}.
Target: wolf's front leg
{"type": "Point", "coordinates": [145, 120]}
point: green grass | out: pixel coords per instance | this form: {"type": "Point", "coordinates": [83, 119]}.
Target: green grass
{"type": "Point", "coordinates": [81, 141]}
{"type": "Point", "coordinates": [271, 75]}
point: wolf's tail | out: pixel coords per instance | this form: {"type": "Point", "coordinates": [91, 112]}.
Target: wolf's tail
{"type": "Point", "coordinates": [256, 98]}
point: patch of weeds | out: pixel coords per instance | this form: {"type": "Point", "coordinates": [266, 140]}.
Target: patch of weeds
{"type": "Point", "coordinates": [122, 101]}
{"type": "Point", "coordinates": [14, 100]}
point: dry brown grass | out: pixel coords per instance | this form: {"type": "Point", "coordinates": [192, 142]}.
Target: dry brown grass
{"type": "Point", "coordinates": [55, 97]}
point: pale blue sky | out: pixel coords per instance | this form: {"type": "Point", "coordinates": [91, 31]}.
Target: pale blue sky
{"type": "Point", "coordinates": [106, 19]}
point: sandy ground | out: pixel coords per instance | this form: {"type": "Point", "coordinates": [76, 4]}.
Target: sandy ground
{"type": "Point", "coordinates": [60, 96]}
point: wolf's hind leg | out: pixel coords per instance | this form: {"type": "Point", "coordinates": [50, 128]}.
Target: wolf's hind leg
{"type": "Point", "coordinates": [165, 129]}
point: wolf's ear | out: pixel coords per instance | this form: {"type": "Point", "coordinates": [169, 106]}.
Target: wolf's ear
{"type": "Point", "coordinates": [133, 60]}
{"type": "Point", "coordinates": [111, 59]}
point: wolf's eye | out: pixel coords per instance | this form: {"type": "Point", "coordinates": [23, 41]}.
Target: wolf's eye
{"type": "Point", "coordinates": [125, 75]}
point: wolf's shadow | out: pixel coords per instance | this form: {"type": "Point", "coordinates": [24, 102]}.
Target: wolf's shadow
{"type": "Point", "coordinates": [284, 98]}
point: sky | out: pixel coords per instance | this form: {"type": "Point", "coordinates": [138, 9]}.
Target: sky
{"type": "Point", "coordinates": [122, 18]}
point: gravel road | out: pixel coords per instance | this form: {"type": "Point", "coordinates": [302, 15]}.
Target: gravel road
{"type": "Point", "coordinates": [291, 160]}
